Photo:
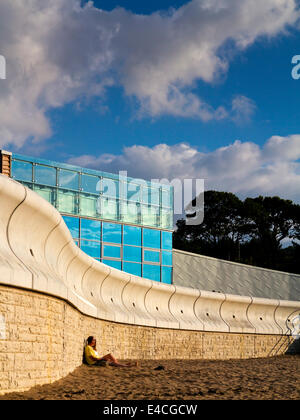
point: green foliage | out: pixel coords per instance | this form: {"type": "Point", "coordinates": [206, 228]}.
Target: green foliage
{"type": "Point", "coordinates": [260, 231]}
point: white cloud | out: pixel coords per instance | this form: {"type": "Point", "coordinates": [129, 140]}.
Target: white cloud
{"type": "Point", "coordinates": [58, 52]}
{"type": "Point", "coordinates": [242, 109]}
{"type": "Point", "coordinates": [241, 167]}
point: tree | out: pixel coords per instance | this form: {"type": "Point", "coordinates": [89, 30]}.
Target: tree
{"type": "Point", "coordinates": [222, 230]}
{"type": "Point", "coordinates": [261, 231]}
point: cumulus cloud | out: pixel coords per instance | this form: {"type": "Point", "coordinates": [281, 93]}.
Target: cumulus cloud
{"type": "Point", "coordinates": [244, 168]}
{"type": "Point", "coordinates": [60, 51]}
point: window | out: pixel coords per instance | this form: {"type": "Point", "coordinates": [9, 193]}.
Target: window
{"type": "Point", "coordinates": [69, 179]}
{"type": "Point", "coordinates": [113, 263]}
{"type": "Point", "coordinates": [151, 256]}
{"type": "Point", "coordinates": [112, 233]}
{"type": "Point", "coordinates": [88, 205]}
{"type": "Point", "coordinates": [166, 239]}
{"type": "Point", "coordinates": [132, 268]}
{"type": "Point", "coordinates": [132, 235]}
{"type": "Point", "coordinates": [130, 212]}
{"type": "Point", "coordinates": [166, 275]}
{"type": "Point", "coordinates": [132, 191]}
{"type": "Point", "coordinates": [151, 238]}
{"type": "Point", "coordinates": [166, 258]}
{"type": "Point", "coordinates": [150, 216]}
{"type": "Point", "coordinates": [90, 184]}
{"type": "Point", "coordinates": [151, 195]}
{"type": "Point", "coordinates": [132, 253]}
{"type": "Point", "coordinates": [91, 248]}
{"type": "Point", "coordinates": [111, 251]}
{"type": "Point", "coordinates": [167, 219]}
{"type": "Point", "coordinates": [108, 208]}
{"type": "Point", "coordinates": [67, 202]}
{"type": "Point", "coordinates": [47, 193]}
{"type": "Point", "coordinates": [166, 198]}
{"type": "Point", "coordinates": [45, 175]}
{"type": "Point", "coordinates": [21, 171]}
{"type": "Point", "coordinates": [73, 225]}
{"type": "Point", "coordinates": [90, 229]}
{"type": "Point", "coordinates": [110, 188]}
{"type": "Point", "coordinates": [151, 272]}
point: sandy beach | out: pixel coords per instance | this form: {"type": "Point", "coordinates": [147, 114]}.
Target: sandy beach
{"type": "Point", "coordinates": [256, 379]}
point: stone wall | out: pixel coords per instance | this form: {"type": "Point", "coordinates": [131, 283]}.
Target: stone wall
{"type": "Point", "coordinates": [43, 340]}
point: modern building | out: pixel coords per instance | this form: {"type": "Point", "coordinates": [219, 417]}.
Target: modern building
{"type": "Point", "coordinates": [123, 222]}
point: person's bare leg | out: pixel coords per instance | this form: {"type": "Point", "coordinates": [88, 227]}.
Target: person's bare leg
{"type": "Point", "coordinates": [114, 362]}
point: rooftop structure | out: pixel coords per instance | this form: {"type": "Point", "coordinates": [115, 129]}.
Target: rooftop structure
{"type": "Point", "coordinates": [123, 222]}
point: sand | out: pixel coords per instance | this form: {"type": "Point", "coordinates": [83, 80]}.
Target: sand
{"type": "Point", "coordinates": [257, 379]}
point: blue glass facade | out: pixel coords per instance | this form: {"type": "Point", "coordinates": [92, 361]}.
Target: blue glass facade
{"type": "Point", "coordinates": [109, 243]}
{"type": "Point", "coordinates": [125, 223]}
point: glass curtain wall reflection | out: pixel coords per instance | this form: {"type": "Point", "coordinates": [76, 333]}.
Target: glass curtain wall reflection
{"type": "Point", "coordinates": [123, 222]}
{"type": "Point", "coordinates": [125, 247]}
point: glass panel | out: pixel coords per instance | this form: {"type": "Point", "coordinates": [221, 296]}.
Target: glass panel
{"type": "Point", "coordinates": [166, 275]}
{"type": "Point", "coordinates": [151, 256]}
{"type": "Point", "coordinates": [150, 216]}
{"type": "Point", "coordinates": [167, 219]}
{"type": "Point", "coordinates": [112, 232]}
{"type": "Point", "coordinates": [132, 235]}
{"type": "Point", "coordinates": [110, 251]}
{"type": "Point", "coordinates": [88, 205]}
{"type": "Point", "coordinates": [151, 238]}
{"type": "Point", "coordinates": [151, 272]}
{"type": "Point", "coordinates": [167, 258]}
{"type": "Point", "coordinates": [108, 208]}
{"type": "Point", "coordinates": [93, 249]}
{"type": "Point", "coordinates": [21, 170]}
{"type": "Point", "coordinates": [47, 193]}
{"type": "Point", "coordinates": [67, 202]}
{"type": "Point", "coordinates": [132, 192]}
{"type": "Point", "coordinates": [73, 225]}
{"type": "Point", "coordinates": [151, 195]}
{"type": "Point", "coordinates": [132, 268]}
{"type": "Point", "coordinates": [166, 198]}
{"type": "Point", "coordinates": [130, 212]}
{"type": "Point", "coordinates": [113, 263]}
{"type": "Point", "coordinates": [45, 175]}
{"type": "Point", "coordinates": [90, 183]}
{"type": "Point", "coordinates": [68, 179]}
{"type": "Point", "coordinates": [166, 240]}
{"type": "Point", "coordinates": [90, 229]}
{"type": "Point", "coordinates": [132, 253]}
{"type": "Point", "coordinates": [110, 188]}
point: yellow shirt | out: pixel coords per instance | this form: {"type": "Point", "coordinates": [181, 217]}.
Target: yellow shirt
{"type": "Point", "coordinates": [89, 353]}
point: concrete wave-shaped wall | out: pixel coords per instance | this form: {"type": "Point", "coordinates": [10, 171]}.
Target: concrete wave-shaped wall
{"type": "Point", "coordinates": [38, 253]}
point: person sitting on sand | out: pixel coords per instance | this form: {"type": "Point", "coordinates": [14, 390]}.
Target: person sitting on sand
{"type": "Point", "coordinates": [92, 357]}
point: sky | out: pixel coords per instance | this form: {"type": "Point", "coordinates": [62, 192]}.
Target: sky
{"type": "Point", "coordinates": [162, 89]}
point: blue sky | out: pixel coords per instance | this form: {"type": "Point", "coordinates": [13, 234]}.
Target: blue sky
{"type": "Point", "coordinates": [262, 73]}
{"type": "Point", "coordinates": [105, 91]}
